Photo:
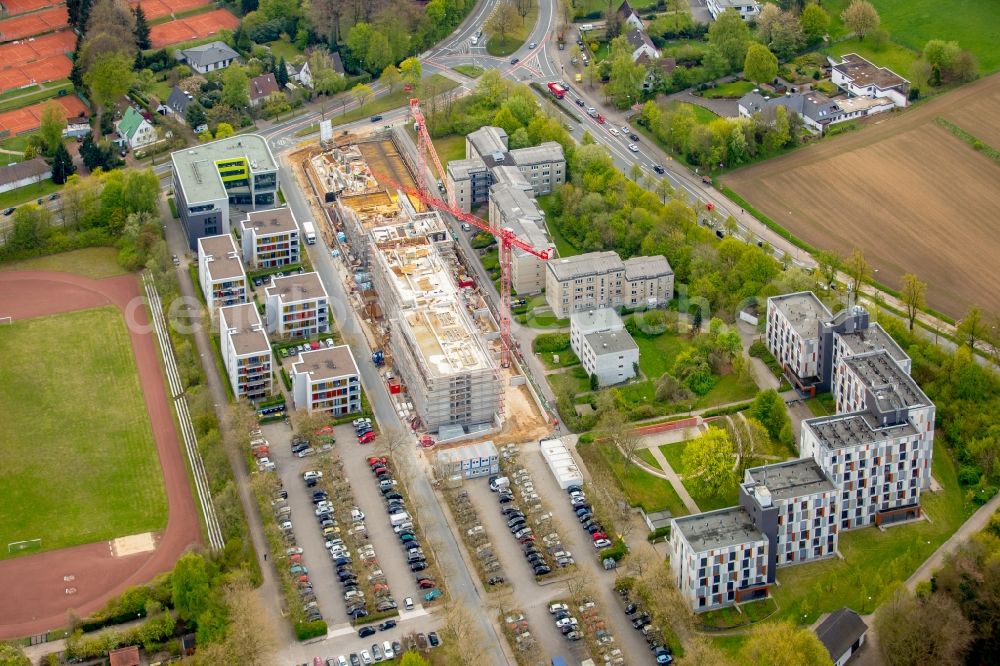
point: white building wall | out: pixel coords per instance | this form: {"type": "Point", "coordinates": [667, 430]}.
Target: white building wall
{"type": "Point", "coordinates": [695, 572]}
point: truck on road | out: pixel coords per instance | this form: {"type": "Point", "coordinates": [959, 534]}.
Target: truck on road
{"type": "Point", "coordinates": [557, 90]}
{"type": "Point", "coordinates": [310, 232]}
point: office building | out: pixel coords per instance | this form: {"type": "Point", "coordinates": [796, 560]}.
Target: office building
{"type": "Point", "coordinates": [297, 306]}
{"type": "Point", "coordinates": [220, 272]}
{"type": "Point", "coordinates": [602, 280]}
{"type": "Point", "coordinates": [246, 351]}
{"type": "Point", "coordinates": [327, 380]}
{"type": "Point", "coordinates": [207, 178]}
{"type": "Point", "coordinates": [270, 238]}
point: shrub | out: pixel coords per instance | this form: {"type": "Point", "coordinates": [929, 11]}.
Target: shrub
{"type": "Point", "coordinates": [306, 630]}
{"type": "Point", "coordinates": [658, 533]}
{"type": "Point", "coordinates": [552, 343]}
{"type": "Point", "coordinates": [616, 551]}
{"type": "Point", "coordinates": [969, 475]}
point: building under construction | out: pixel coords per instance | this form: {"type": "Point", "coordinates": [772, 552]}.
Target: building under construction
{"type": "Point", "coordinates": [443, 340]}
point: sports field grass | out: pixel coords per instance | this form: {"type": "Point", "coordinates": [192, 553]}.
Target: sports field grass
{"type": "Point", "coordinates": [77, 459]}
{"type": "Point", "coordinates": [93, 262]}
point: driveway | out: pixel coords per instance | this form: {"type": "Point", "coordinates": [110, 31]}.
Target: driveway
{"type": "Point", "coordinates": [699, 11]}
{"type": "Point", "coordinates": [307, 531]}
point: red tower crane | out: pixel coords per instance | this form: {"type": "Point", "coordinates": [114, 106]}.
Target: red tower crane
{"type": "Point", "coordinates": [505, 236]}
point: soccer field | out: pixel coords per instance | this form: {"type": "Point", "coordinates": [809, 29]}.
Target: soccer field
{"type": "Point", "coordinates": [78, 462]}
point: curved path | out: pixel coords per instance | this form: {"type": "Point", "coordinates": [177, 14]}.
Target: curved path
{"type": "Point", "coordinates": [33, 597]}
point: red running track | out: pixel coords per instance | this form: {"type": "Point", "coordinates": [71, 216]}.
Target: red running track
{"type": "Point", "coordinates": [33, 595]}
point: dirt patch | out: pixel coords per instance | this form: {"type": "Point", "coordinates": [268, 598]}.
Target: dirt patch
{"type": "Point", "coordinates": [912, 195]}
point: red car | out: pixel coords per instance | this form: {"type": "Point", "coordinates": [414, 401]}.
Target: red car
{"type": "Point", "coordinates": [426, 584]}
{"type": "Point", "coordinates": [376, 460]}
{"type": "Point", "coordinates": [303, 579]}
{"type": "Point", "coordinates": [598, 535]}
{"type": "Point", "coordinates": [314, 345]}
{"type": "Point", "coordinates": [366, 438]}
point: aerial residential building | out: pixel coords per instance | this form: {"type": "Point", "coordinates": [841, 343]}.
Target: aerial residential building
{"type": "Point", "coordinates": [747, 9]}
{"type": "Point", "coordinates": [209, 177]}
{"type": "Point", "coordinates": [601, 279]}
{"type": "Point", "coordinates": [470, 181]}
{"type": "Point", "coordinates": [209, 57]}
{"type": "Point", "coordinates": [630, 19]}
{"type": "Point", "coordinates": [816, 110]}
{"type": "Point", "coordinates": [719, 558]}
{"type": "Point", "coordinates": [511, 207]}
{"type": "Point", "coordinates": [270, 238]}
{"type": "Point", "coordinates": [220, 272]}
{"type": "Point", "coordinates": [300, 73]}
{"type": "Point", "coordinates": [604, 347]}
{"type": "Point", "coordinates": [642, 45]}
{"type": "Point", "coordinates": [24, 173]}
{"type": "Point", "coordinates": [297, 306]}
{"type": "Point", "coordinates": [543, 166]}
{"type": "Point", "coordinates": [134, 130]}
{"type": "Point", "coordinates": [178, 103]}
{"type": "Point", "coordinates": [860, 77]}
{"type": "Point", "coordinates": [795, 504]}
{"type": "Point", "coordinates": [327, 380]}
{"type": "Point", "coordinates": [262, 87]}
{"type": "Point", "coordinates": [246, 352]}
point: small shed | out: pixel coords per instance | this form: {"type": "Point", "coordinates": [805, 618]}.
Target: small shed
{"type": "Point", "coordinates": [842, 633]}
{"type": "Point", "coordinates": [657, 519]}
{"type": "Point", "coordinates": [126, 656]}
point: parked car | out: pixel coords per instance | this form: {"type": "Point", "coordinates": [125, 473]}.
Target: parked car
{"type": "Point", "coordinates": [433, 639]}
{"type": "Point", "coordinates": [602, 543]}
{"type": "Point", "coordinates": [365, 632]}
{"type": "Point", "coordinates": [432, 595]}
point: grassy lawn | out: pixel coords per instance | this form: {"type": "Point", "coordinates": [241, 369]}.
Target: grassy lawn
{"type": "Point", "coordinates": [35, 95]}
{"type": "Point", "coordinates": [515, 37]}
{"type": "Point", "coordinates": [564, 248]}
{"type": "Point", "coordinates": [731, 90]}
{"type": "Point", "coordinates": [822, 405]}
{"type": "Point", "coordinates": [393, 100]}
{"type": "Point", "coordinates": [543, 319]}
{"type": "Point", "coordinates": [702, 115]}
{"type": "Point", "coordinates": [566, 359]}
{"type": "Point", "coordinates": [92, 262]}
{"type": "Point", "coordinates": [28, 193]}
{"type": "Point", "coordinates": [657, 354]}
{"type": "Point", "coordinates": [874, 562]}
{"type": "Point", "coordinates": [17, 92]}
{"type": "Point", "coordinates": [914, 22]}
{"type": "Point", "coordinates": [280, 48]}
{"type": "Point", "coordinates": [645, 490]}
{"type": "Point", "coordinates": [733, 616]}
{"type": "Point", "coordinates": [584, 7]}
{"type": "Point", "coordinates": [77, 457]}
{"type": "Point", "coordinates": [897, 58]}
{"type": "Point", "coordinates": [570, 379]}
{"type": "Point", "coordinates": [450, 148]}
{"type": "Point", "coordinates": [647, 457]}
{"type": "Point", "coordinates": [674, 453]}
{"type": "Point", "coordinates": [18, 143]}
{"type": "Point", "coordinates": [472, 71]}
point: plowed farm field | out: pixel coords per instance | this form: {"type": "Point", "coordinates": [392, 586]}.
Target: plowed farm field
{"type": "Point", "coordinates": [916, 198]}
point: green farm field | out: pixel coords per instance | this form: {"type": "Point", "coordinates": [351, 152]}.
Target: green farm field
{"type": "Point", "coordinates": [78, 463]}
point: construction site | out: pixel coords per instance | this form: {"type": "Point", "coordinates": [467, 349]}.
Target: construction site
{"type": "Point", "coordinates": [440, 336]}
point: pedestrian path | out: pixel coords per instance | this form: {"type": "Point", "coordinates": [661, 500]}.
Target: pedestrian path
{"type": "Point", "coordinates": [671, 476]}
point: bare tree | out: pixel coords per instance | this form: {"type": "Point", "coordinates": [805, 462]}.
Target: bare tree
{"type": "Point", "coordinates": [469, 644]}
{"type": "Point", "coordinates": [501, 21]}
{"type": "Point", "coordinates": [306, 425]}
{"type": "Point", "coordinates": [393, 441]}
{"type": "Point", "coordinates": [749, 438]}
{"type": "Point", "coordinates": [250, 637]}
{"type": "Point", "coordinates": [914, 296]}
{"type": "Point", "coordinates": [524, 7]}
{"type": "Point", "coordinates": [858, 269]}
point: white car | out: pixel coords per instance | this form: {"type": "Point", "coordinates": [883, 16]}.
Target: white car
{"type": "Point", "coordinates": [357, 515]}
{"type": "Point", "coordinates": [294, 551]}
{"type": "Point", "coordinates": [312, 474]}
{"type": "Point", "coordinates": [532, 45]}
{"type": "Point", "coordinates": [342, 661]}
{"type": "Point", "coordinates": [626, 130]}
{"type": "Point", "coordinates": [613, 131]}
{"type": "Point", "coordinates": [555, 608]}
{"type": "Point", "coordinates": [634, 148]}
{"type": "Point", "coordinates": [387, 649]}
{"type": "Point", "coordinates": [408, 603]}
{"type": "Point", "coordinates": [466, 227]}
{"type": "Point", "coordinates": [361, 422]}
{"type": "Point", "coordinates": [567, 621]}
{"type": "Point", "coordinates": [602, 543]}
{"type": "Point", "coordinates": [365, 657]}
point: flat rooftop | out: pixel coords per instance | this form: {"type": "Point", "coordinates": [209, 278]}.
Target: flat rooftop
{"type": "Point", "coordinates": [474, 451]}
{"type": "Point", "coordinates": [326, 363]}
{"type": "Point", "coordinates": [225, 263]}
{"type": "Point", "coordinates": [856, 428]}
{"type": "Point", "coordinates": [549, 151]}
{"type": "Point", "coordinates": [804, 312]}
{"type": "Point", "coordinates": [645, 268]}
{"type": "Point", "coordinates": [273, 221]}
{"type": "Point", "coordinates": [873, 339]}
{"type": "Point", "coordinates": [446, 338]}
{"type": "Point", "coordinates": [792, 479]}
{"type": "Point", "coordinates": [297, 287]}
{"type": "Point", "coordinates": [611, 342]}
{"type": "Point", "coordinates": [883, 376]}
{"type": "Point", "coordinates": [195, 167]}
{"type": "Point", "coordinates": [864, 73]}
{"type": "Point", "coordinates": [246, 330]}
{"type": "Point", "coordinates": [718, 529]}
{"type": "Point", "coordinates": [583, 265]}
{"type": "Point", "coordinates": [601, 319]}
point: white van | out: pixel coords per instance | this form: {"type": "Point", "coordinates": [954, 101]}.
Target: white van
{"type": "Point", "coordinates": [585, 27]}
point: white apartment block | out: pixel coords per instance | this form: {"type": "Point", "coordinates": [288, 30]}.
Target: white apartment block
{"type": "Point", "coordinates": [297, 306]}
{"type": "Point", "coordinates": [246, 351]}
{"type": "Point", "coordinates": [601, 279]}
{"type": "Point", "coordinates": [795, 504]}
{"type": "Point", "coordinates": [220, 272]}
{"type": "Point", "coordinates": [513, 206]}
{"type": "Point", "coordinates": [270, 238]}
{"type": "Point", "coordinates": [719, 558]}
{"type": "Point", "coordinates": [327, 380]}
{"type": "Point", "coordinates": [605, 348]}
{"type": "Point", "coordinates": [747, 9]}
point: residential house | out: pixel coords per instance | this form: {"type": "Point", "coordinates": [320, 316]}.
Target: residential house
{"type": "Point", "coordinates": [513, 206]}
{"type": "Point", "coordinates": [601, 279]}
{"type": "Point", "coordinates": [842, 633]}
{"type": "Point", "coordinates": [641, 45]}
{"type": "Point", "coordinates": [604, 347]}
{"type": "Point", "coordinates": [747, 9]}
{"type": "Point", "coordinates": [134, 130]}
{"type": "Point", "coordinates": [207, 178]}
{"type": "Point", "coordinates": [24, 173]}
{"type": "Point", "coordinates": [220, 272]}
{"type": "Point", "coordinates": [297, 306]}
{"type": "Point", "coordinates": [246, 351]}
{"type": "Point", "coordinates": [630, 19]}
{"type": "Point", "coordinates": [337, 63]}
{"type": "Point", "coordinates": [209, 57]}
{"type": "Point", "coordinates": [816, 110]}
{"type": "Point", "coordinates": [178, 103]}
{"type": "Point", "coordinates": [262, 87]}
{"type": "Point", "coordinates": [270, 238]}
{"type": "Point", "coordinates": [656, 70]}
{"type": "Point", "coordinates": [860, 77]}
{"type": "Point", "coordinates": [300, 73]}
{"type": "Point", "coordinates": [327, 380]}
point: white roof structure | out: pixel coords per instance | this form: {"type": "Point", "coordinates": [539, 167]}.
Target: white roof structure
{"type": "Point", "coordinates": [561, 462]}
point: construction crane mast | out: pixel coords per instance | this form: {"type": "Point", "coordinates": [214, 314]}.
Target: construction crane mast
{"type": "Point", "coordinates": [506, 238]}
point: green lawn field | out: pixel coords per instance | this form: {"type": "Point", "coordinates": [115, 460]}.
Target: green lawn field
{"type": "Point", "coordinates": [77, 459]}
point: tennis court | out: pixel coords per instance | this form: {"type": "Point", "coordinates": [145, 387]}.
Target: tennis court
{"type": "Point", "coordinates": [155, 9]}
{"type": "Point", "coordinates": [33, 24]}
{"type": "Point", "coordinates": [28, 119]}
{"type": "Point", "coordinates": [186, 29]}
{"type": "Point", "coordinates": [44, 70]}
{"type": "Point", "coordinates": [57, 43]}
{"type": "Point", "coordinates": [15, 7]}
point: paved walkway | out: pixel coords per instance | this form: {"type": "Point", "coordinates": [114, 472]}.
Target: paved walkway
{"type": "Point", "coordinates": [675, 481]}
